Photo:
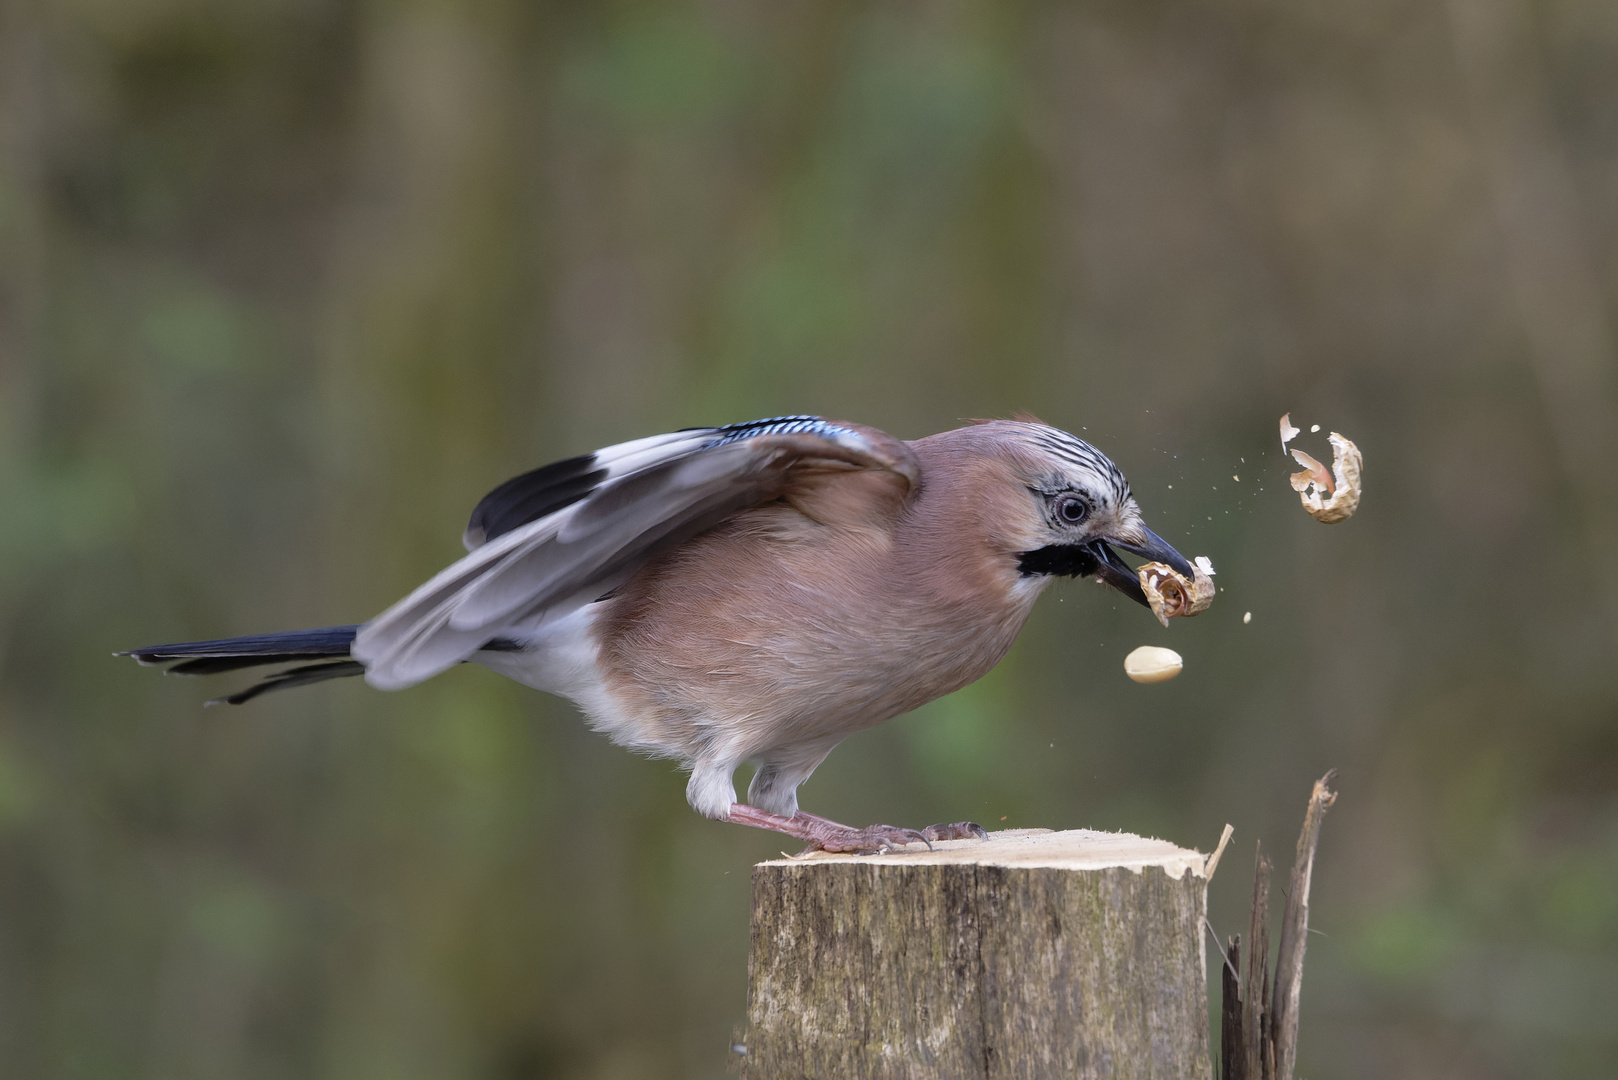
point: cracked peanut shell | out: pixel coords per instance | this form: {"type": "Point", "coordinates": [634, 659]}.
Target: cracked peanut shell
{"type": "Point", "coordinates": [1172, 595]}
{"type": "Point", "coordinates": [1332, 496]}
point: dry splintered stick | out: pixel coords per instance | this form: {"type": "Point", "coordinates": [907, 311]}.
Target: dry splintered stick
{"type": "Point", "coordinates": [1173, 595]}
{"type": "Point", "coordinates": [1331, 495]}
{"type": "Point", "coordinates": [1259, 1014]}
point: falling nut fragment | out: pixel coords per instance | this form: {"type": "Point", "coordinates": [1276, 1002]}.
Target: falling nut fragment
{"type": "Point", "coordinates": [1288, 432]}
{"type": "Point", "coordinates": [1172, 594]}
{"type": "Point", "coordinates": [1333, 496]}
{"type": "Point", "coordinates": [1152, 664]}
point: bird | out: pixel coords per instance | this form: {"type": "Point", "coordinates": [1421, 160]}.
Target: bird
{"type": "Point", "coordinates": [746, 593]}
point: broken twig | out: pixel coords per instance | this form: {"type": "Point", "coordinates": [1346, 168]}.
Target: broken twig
{"type": "Point", "coordinates": [1259, 1014]}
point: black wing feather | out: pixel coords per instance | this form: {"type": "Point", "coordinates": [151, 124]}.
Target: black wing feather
{"type": "Point", "coordinates": [533, 495]}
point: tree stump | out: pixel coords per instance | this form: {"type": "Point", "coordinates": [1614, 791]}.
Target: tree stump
{"type": "Point", "coordinates": [1032, 954]}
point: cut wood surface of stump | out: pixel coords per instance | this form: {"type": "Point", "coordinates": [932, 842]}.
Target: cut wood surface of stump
{"type": "Point", "coordinates": [1032, 954]}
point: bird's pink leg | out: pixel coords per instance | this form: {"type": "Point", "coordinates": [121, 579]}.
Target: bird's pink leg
{"type": "Point", "coordinates": [823, 835]}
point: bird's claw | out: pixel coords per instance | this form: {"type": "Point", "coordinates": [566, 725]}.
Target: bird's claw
{"type": "Point", "coordinates": [872, 840]}
{"type": "Point", "coordinates": [824, 835]}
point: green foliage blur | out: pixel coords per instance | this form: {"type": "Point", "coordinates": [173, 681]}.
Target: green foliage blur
{"type": "Point", "coordinates": [286, 285]}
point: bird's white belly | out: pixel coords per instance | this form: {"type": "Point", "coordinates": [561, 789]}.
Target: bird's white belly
{"type": "Point", "coordinates": [563, 658]}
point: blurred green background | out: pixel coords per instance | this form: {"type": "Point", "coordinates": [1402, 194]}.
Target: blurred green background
{"type": "Point", "coordinates": [286, 285]}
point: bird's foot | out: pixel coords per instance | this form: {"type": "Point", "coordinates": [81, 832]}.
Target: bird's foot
{"type": "Point", "coordinates": [959, 830]}
{"type": "Point", "coordinates": [871, 840]}
{"type": "Point", "coordinates": [823, 835]}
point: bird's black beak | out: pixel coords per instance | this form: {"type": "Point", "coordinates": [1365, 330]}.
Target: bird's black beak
{"type": "Point", "coordinates": [1112, 570]}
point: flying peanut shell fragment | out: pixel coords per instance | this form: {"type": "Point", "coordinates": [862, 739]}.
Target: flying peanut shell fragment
{"type": "Point", "coordinates": [1332, 496]}
{"type": "Point", "coordinates": [1288, 432]}
{"type": "Point", "coordinates": [1173, 595]}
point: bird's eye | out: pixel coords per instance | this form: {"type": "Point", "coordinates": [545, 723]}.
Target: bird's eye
{"type": "Point", "coordinates": [1071, 509]}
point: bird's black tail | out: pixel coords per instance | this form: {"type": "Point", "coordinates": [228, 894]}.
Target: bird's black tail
{"type": "Point", "coordinates": [323, 645]}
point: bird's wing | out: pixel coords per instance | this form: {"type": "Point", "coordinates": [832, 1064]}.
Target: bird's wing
{"type": "Point", "coordinates": [553, 540]}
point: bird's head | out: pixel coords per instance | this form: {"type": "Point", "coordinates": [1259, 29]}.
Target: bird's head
{"type": "Point", "coordinates": [1076, 509]}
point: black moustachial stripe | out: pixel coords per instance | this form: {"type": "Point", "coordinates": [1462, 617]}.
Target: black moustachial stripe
{"type": "Point", "coordinates": [1062, 560]}
{"type": "Point", "coordinates": [534, 495]}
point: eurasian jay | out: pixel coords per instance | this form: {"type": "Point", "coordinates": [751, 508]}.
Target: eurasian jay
{"type": "Point", "coordinates": [749, 593]}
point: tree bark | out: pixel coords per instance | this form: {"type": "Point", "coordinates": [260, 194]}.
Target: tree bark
{"type": "Point", "coordinates": [1031, 954]}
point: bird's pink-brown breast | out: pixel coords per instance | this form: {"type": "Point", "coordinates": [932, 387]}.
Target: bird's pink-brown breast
{"type": "Point", "coordinates": [849, 601]}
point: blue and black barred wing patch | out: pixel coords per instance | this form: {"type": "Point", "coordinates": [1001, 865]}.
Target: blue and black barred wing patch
{"type": "Point", "coordinates": [777, 425]}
